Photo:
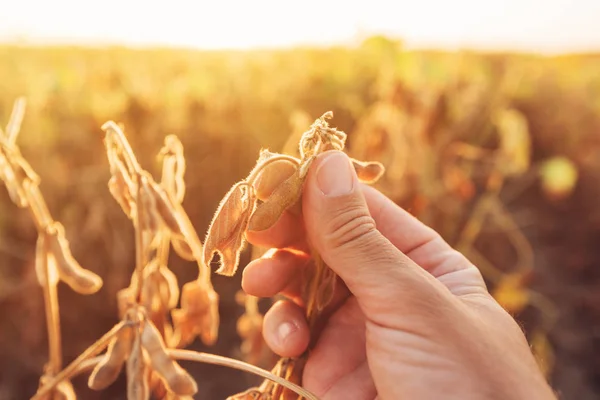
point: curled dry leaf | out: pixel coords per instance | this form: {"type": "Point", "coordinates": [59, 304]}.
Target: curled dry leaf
{"type": "Point", "coordinates": [199, 313]}
{"type": "Point", "coordinates": [176, 378]}
{"type": "Point", "coordinates": [284, 196]}
{"type": "Point", "coordinates": [368, 171]}
{"type": "Point", "coordinates": [79, 279]}
{"type": "Point", "coordinates": [226, 232]}
{"type": "Point", "coordinates": [109, 367]}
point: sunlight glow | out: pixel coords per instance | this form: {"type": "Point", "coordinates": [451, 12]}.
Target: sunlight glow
{"type": "Point", "coordinates": [551, 25]}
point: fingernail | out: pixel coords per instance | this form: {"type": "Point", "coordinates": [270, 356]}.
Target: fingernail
{"type": "Point", "coordinates": [285, 330]}
{"type": "Point", "coordinates": [335, 176]}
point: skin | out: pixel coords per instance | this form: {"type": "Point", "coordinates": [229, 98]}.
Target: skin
{"type": "Point", "coordinates": [411, 317]}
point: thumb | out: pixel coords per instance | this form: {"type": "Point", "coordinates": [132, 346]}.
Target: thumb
{"type": "Point", "coordinates": [340, 227]}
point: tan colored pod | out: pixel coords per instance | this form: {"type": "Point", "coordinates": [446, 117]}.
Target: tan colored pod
{"type": "Point", "coordinates": [137, 382]}
{"type": "Point", "coordinates": [109, 368]}
{"type": "Point", "coordinates": [176, 378]}
{"type": "Point", "coordinates": [166, 207]}
{"type": "Point", "coordinates": [149, 218]}
{"type": "Point", "coordinates": [285, 196]}
{"type": "Point", "coordinates": [79, 279]}
{"type": "Point", "coordinates": [271, 176]}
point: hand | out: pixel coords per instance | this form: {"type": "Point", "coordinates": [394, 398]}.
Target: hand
{"type": "Point", "coordinates": [411, 317]}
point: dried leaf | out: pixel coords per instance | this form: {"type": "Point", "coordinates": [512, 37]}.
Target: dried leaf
{"type": "Point", "coordinates": [285, 196]}
{"type": "Point", "coordinates": [226, 232]}
{"type": "Point", "coordinates": [368, 171]}
{"type": "Point", "coordinates": [176, 378]}
{"type": "Point", "coordinates": [109, 368]}
{"type": "Point", "coordinates": [79, 279]}
{"type": "Point", "coordinates": [199, 313]}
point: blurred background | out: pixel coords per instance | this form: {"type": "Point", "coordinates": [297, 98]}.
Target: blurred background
{"type": "Point", "coordinates": [486, 114]}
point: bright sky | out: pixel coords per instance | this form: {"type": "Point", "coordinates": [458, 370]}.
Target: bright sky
{"type": "Point", "coordinates": [538, 25]}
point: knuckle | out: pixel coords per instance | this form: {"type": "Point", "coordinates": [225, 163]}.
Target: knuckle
{"type": "Point", "coordinates": [351, 225]}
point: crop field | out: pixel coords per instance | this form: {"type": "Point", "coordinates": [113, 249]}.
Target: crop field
{"type": "Point", "coordinates": [500, 153]}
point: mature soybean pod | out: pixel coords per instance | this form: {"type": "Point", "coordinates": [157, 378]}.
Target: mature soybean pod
{"type": "Point", "coordinates": [109, 368]}
{"type": "Point", "coordinates": [137, 383]}
{"type": "Point", "coordinates": [176, 378]}
{"type": "Point", "coordinates": [79, 279]}
{"type": "Point", "coordinates": [283, 197]}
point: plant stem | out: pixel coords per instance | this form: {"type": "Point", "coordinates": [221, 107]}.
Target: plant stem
{"type": "Point", "coordinates": [240, 365]}
{"type": "Point", "coordinates": [52, 322]}
{"type": "Point", "coordinates": [140, 254]}
{"type": "Point", "coordinates": [212, 359]}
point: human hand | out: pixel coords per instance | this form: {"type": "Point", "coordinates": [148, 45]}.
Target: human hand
{"type": "Point", "coordinates": [411, 317]}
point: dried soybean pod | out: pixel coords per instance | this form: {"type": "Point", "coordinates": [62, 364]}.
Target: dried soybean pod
{"type": "Point", "coordinates": [272, 176]}
{"type": "Point", "coordinates": [115, 188]}
{"type": "Point", "coordinates": [137, 384]}
{"type": "Point", "coordinates": [120, 185]}
{"type": "Point", "coordinates": [285, 196]}
{"type": "Point", "coordinates": [176, 219]}
{"type": "Point", "coordinates": [169, 287]}
{"type": "Point", "coordinates": [176, 378]}
{"type": "Point", "coordinates": [368, 171]}
{"type": "Point", "coordinates": [226, 232]}
{"type": "Point", "coordinates": [182, 248]}
{"type": "Point", "coordinates": [109, 368]}
{"type": "Point", "coordinates": [147, 207]}
{"type": "Point", "coordinates": [166, 207]}
{"type": "Point", "coordinates": [80, 280]}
